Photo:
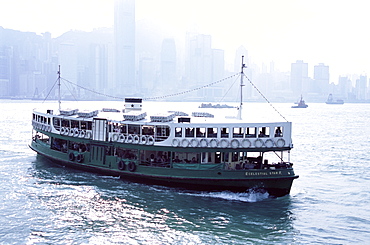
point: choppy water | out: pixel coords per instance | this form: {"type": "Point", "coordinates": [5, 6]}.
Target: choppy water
{"type": "Point", "coordinates": [43, 203]}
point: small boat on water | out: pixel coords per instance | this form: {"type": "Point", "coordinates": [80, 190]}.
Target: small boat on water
{"type": "Point", "coordinates": [217, 106]}
{"type": "Point", "coordinates": [300, 104]}
{"type": "Point", "coordinates": [334, 102]}
{"type": "Point", "coordinates": [171, 149]}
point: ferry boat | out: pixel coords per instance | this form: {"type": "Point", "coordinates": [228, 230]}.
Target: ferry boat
{"type": "Point", "coordinates": [300, 104]}
{"type": "Point", "coordinates": [216, 106]}
{"type": "Point", "coordinates": [192, 151]}
{"type": "Point", "coordinates": [331, 101]}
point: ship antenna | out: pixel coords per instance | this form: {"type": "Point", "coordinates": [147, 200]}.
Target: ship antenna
{"type": "Point", "coordinates": [241, 89]}
{"type": "Point", "coordinates": [59, 87]}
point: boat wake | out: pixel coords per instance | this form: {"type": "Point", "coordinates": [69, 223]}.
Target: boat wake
{"type": "Point", "coordinates": [251, 196]}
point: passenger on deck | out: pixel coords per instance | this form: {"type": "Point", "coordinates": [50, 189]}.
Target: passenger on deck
{"type": "Point", "coordinates": [193, 160]}
{"type": "Point", "coordinates": [176, 160]}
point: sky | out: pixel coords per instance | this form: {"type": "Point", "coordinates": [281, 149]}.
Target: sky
{"type": "Point", "coordinates": [317, 31]}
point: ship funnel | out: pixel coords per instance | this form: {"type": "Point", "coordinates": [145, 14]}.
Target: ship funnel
{"type": "Point", "coordinates": [133, 104]}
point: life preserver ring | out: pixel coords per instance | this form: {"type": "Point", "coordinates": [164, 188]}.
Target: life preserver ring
{"type": "Point", "coordinates": [213, 143]}
{"type": "Point", "coordinates": [88, 135]}
{"type": "Point", "coordinates": [76, 132]}
{"type": "Point", "coordinates": [71, 156]}
{"type": "Point", "coordinates": [175, 142]}
{"type": "Point", "coordinates": [246, 143]}
{"type": "Point", "coordinates": [131, 167]}
{"type": "Point", "coordinates": [194, 143]}
{"type": "Point", "coordinates": [71, 132]}
{"type": "Point", "coordinates": [150, 140]}
{"type": "Point", "coordinates": [129, 139]}
{"type": "Point", "coordinates": [115, 137]}
{"type": "Point", "coordinates": [280, 143]}
{"type": "Point", "coordinates": [66, 132]}
{"type": "Point", "coordinates": [269, 143]}
{"type": "Point", "coordinates": [143, 140]}
{"type": "Point", "coordinates": [258, 143]}
{"type": "Point", "coordinates": [82, 134]}
{"type": "Point", "coordinates": [223, 143]}
{"type": "Point", "coordinates": [203, 143]}
{"type": "Point", "coordinates": [234, 143]}
{"type": "Point", "coordinates": [184, 143]}
{"type": "Point", "coordinates": [80, 158]}
{"type": "Point", "coordinates": [121, 165]}
{"type": "Point", "coordinates": [121, 138]}
{"type": "Point", "coordinates": [136, 139]}
{"type": "Point", "coordinates": [62, 130]}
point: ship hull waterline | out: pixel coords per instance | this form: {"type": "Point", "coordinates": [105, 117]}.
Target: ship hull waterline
{"type": "Point", "coordinates": [272, 181]}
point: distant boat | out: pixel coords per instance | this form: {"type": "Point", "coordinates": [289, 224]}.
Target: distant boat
{"type": "Point", "coordinates": [300, 104]}
{"type": "Point", "coordinates": [332, 101]}
{"type": "Point", "coordinates": [210, 105]}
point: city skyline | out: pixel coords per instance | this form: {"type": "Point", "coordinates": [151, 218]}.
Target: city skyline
{"type": "Point", "coordinates": [283, 32]}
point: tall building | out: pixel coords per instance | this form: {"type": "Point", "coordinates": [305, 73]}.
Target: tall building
{"type": "Point", "coordinates": [299, 77]}
{"type": "Point", "coordinates": [199, 60]}
{"type": "Point", "coordinates": [124, 36]}
{"type": "Point", "coordinates": [168, 63]}
{"type": "Point", "coordinates": [321, 79]}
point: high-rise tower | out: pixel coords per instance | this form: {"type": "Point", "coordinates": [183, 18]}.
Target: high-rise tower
{"type": "Point", "coordinates": [124, 37]}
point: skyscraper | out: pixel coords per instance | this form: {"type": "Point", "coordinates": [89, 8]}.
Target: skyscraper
{"type": "Point", "coordinates": [321, 79]}
{"type": "Point", "coordinates": [299, 77]}
{"type": "Point", "coordinates": [124, 36]}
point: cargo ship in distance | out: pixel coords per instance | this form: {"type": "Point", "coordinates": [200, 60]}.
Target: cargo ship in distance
{"type": "Point", "coordinates": [191, 151]}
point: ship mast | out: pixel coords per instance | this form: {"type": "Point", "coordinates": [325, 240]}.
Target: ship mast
{"type": "Point", "coordinates": [241, 89]}
{"type": "Point", "coordinates": [59, 87]}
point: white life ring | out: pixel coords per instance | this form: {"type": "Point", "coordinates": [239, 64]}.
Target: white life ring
{"type": "Point", "coordinates": [66, 132]}
{"type": "Point", "coordinates": [62, 130]}
{"type": "Point", "coordinates": [203, 143]}
{"type": "Point", "coordinates": [184, 143]}
{"type": "Point", "coordinates": [71, 132]}
{"type": "Point", "coordinates": [115, 137]}
{"type": "Point", "coordinates": [121, 138]}
{"type": "Point", "coordinates": [235, 143]}
{"type": "Point", "coordinates": [213, 143]}
{"type": "Point", "coordinates": [280, 143]}
{"type": "Point", "coordinates": [246, 143]}
{"type": "Point", "coordinates": [269, 143]}
{"type": "Point", "coordinates": [223, 143]}
{"type": "Point", "coordinates": [194, 143]}
{"type": "Point", "coordinates": [258, 143]}
{"type": "Point", "coordinates": [175, 142]}
{"type": "Point", "coordinates": [136, 139]}
{"type": "Point", "coordinates": [150, 140]}
{"type": "Point", "coordinates": [76, 132]}
{"type": "Point", "coordinates": [129, 139]}
{"type": "Point", "coordinates": [82, 134]}
{"type": "Point", "coordinates": [143, 139]}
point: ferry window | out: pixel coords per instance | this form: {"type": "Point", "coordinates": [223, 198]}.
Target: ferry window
{"type": "Point", "coordinates": [200, 132]}
{"type": "Point", "coordinates": [83, 125]}
{"type": "Point", "coordinates": [238, 132]}
{"type": "Point", "coordinates": [264, 132]}
{"type": "Point", "coordinates": [189, 132]}
{"type": "Point", "coordinates": [56, 123]}
{"type": "Point", "coordinates": [178, 132]}
{"type": "Point", "coordinates": [250, 132]}
{"type": "Point", "coordinates": [123, 129]}
{"type": "Point", "coordinates": [162, 132]}
{"type": "Point", "coordinates": [148, 130]}
{"type": "Point", "coordinates": [134, 129]}
{"type": "Point", "coordinates": [224, 132]}
{"type": "Point", "coordinates": [211, 132]}
{"type": "Point", "coordinates": [74, 124]}
{"type": "Point", "coordinates": [89, 125]}
{"type": "Point", "coordinates": [65, 123]}
{"type": "Point", "coordinates": [278, 131]}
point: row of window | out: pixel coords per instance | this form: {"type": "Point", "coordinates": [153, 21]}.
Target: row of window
{"type": "Point", "coordinates": [236, 132]}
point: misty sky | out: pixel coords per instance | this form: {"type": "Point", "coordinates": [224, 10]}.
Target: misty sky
{"type": "Point", "coordinates": [317, 31]}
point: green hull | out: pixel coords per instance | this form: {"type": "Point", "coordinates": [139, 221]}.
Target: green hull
{"type": "Point", "coordinates": [276, 182]}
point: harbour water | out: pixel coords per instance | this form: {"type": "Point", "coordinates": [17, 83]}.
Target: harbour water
{"type": "Point", "coordinates": [43, 203]}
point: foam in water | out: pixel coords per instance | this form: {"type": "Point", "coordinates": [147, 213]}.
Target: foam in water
{"type": "Point", "coordinates": [251, 196]}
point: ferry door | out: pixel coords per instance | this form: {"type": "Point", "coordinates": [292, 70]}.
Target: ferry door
{"type": "Point", "coordinates": [97, 155]}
